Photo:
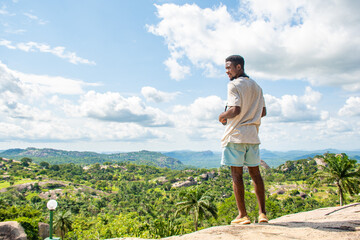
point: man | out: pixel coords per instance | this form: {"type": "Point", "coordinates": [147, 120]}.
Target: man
{"type": "Point", "coordinates": [240, 142]}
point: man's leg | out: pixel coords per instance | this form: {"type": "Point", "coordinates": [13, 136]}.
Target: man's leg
{"type": "Point", "coordinates": [238, 186]}
{"type": "Point", "coordinates": [259, 187]}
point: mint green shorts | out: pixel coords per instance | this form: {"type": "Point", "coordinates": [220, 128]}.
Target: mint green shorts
{"type": "Point", "coordinates": [241, 154]}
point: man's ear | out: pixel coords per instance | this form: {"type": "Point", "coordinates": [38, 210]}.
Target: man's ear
{"type": "Point", "coordinates": [238, 67]}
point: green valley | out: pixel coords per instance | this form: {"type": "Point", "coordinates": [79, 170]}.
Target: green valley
{"type": "Point", "coordinates": [117, 198]}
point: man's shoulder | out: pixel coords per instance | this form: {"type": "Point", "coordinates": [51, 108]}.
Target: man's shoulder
{"type": "Point", "coordinates": [252, 82]}
{"type": "Point", "coordinates": [243, 81]}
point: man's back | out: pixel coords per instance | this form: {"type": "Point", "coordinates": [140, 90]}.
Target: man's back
{"type": "Point", "coordinates": [243, 128]}
{"type": "Point", "coordinates": [251, 100]}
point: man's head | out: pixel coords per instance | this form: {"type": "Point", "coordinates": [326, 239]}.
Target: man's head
{"type": "Point", "coordinates": [234, 66]}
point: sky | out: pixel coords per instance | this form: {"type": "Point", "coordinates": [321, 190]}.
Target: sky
{"type": "Point", "coordinates": [119, 76]}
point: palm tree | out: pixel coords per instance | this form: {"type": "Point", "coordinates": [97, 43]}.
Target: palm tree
{"type": "Point", "coordinates": [341, 171]}
{"type": "Point", "coordinates": [198, 202]}
{"type": "Point", "coordinates": [63, 222]}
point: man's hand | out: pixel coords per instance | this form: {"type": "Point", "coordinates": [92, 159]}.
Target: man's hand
{"type": "Point", "coordinates": [222, 120]}
{"type": "Point", "coordinates": [263, 114]}
{"type": "Point", "coordinates": [230, 113]}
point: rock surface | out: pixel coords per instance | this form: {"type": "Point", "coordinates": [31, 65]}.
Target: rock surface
{"type": "Point", "coordinates": [12, 231]}
{"type": "Point", "coordinates": [320, 224]}
{"type": "Point", "coordinates": [44, 230]}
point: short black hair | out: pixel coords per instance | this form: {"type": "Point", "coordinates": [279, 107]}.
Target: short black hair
{"type": "Point", "coordinates": [236, 59]}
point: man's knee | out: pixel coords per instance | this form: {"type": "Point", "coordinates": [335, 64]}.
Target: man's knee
{"type": "Point", "coordinates": [237, 174]}
{"type": "Point", "coordinates": [255, 173]}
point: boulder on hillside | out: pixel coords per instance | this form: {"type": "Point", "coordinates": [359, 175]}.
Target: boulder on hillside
{"type": "Point", "coordinates": [320, 162]}
{"type": "Point", "coordinates": [303, 195]}
{"type": "Point", "coordinates": [264, 164]}
{"type": "Point", "coordinates": [12, 231]}
{"type": "Point", "coordinates": [44, 230]}
{"type": "Point", "coordinates": [184, 184]}
{"type": "Point", "coordinates": [24, 186]}
{"type": "Point", "coordinates": [280, 191]}
{"type": "Point", "coordinates": [208, 175]}
{"type": "Point", "coordinates": [204, 176]}
{"type": "Point", "coordinates": [211, 174]}
{"type": "Point", "coordinates": [160, 180]}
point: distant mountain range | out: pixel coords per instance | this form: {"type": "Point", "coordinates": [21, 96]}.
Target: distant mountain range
{"type": "Point", "coordinates": [55, 156]}
{"type": "Point", "coordinates": [173, 159]}
{"type": "Point", "coordinates": [205, 159]}
{"type": "Point", "coordinates": [208, 159]}
{"type": "Point", "coordinates": [276, 158]}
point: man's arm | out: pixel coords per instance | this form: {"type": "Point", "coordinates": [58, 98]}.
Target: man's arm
{"type": "Point", "coordinates": [230, 113]}
{"type": "Point", "coordinates": [263, 114]}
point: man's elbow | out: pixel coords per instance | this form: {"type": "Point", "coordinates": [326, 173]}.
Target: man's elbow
{"type": "Point", "coordinates": [237, 110]}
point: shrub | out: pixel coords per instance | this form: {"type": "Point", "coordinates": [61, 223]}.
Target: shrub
{"type": "Point", "coordinates": [30, 226]}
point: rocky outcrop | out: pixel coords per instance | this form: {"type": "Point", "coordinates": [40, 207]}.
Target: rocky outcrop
{"type": "Point", "coordinates": [321, 224]}
{"type": "Point", "coordinates": [280, 191]}
{"type": "Point", "coordinates": [12, 231]}
{"type": "Point", "coordinates": [44, 230]}
{"type": "Point", "coordinates": [320, 162]}
{"type": "Point", "coordinates": [264, 164]}
{"type": "Point", "coordinates": [160, 180]}
{"type": "Point", "coordinates": [303, 195]}
{"type": "Point", "coordinates": [187, 183]}
{"type": "Point", "coordinates": [208, 175]}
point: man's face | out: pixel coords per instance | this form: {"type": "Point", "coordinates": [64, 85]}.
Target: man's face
{"type": "Point", "coordinates": [232, 71]}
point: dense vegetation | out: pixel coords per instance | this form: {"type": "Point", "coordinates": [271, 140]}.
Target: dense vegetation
{"type": "Point", "coordinates": [120, 199]}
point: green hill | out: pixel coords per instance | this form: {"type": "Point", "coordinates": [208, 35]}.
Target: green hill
{"type": "Point", "coordinates": [55, 156]}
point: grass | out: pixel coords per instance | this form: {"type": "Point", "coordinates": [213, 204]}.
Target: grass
{"type": "Point", "coordinates": [7, 184]}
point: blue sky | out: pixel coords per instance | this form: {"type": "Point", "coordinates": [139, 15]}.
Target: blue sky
{"type": "Point", "coordinates": [133, 75]}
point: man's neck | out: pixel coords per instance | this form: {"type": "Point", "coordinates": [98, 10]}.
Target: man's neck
{"type": "Point", "coordinates": [242, 74]}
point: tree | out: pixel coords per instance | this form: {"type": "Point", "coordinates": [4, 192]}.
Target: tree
{"type": "Point", "coordinates": [45, 165]}
{"type": "Point", "coordinates": [55, 167]}
{"type": "Point", "coordinates": [63, 222]}
{"type": "Point", "coordinates": [25, 161]}
{"type": "Point", "coordinates": [342, 172]}
{"type": "Point", "coordinates": [198, 202]}
{"type": "Point", "coordinates": [11, 180]}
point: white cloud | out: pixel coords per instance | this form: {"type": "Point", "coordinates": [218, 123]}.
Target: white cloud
{"type": "Point", "coordinates": [7, 44]}
{"type": "Point", "coordinates": [33, 109]}
{"type": "Point", "coordinates": [38, 85]}
{"type": "Point", "coordinates": [35, 18]}
{"type": "Point", "coordinates": [199, 120]}
{"type": "Point", "coordinates": [177, 71]}
{"type": "Point", "coordinates": [313, 40]}
{"type": "Point", "coordinates": [351, 107]}
{"type": "Point", "coordinates": [9, 83]}
{"type": "Point", "coordinates": [127, 132]}
{"type": "Point", "coordinates": [15, 31]}
{"type": "Point", "coordinates": [152, 94]}
{"type": "Point", "coordinates": [41, 47]}
{"type": "Point", "coordinates": [3, 11]}
{"type": "Point", "coordinates": [292, 108]}
{"type": "Point", "coordinates": [330, 133]}
{"type": "Point", "coordinates": [17, 110]}
{"type": "Point", "coordinates": [39, 131]}
{"type": "Point", "coordinates": [113, 107]}
{"type": "Point", "coordinates": [337, 126]}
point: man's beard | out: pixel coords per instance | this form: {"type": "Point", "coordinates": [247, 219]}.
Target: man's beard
{"type": "Point", "coordinates": [233, 77]}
